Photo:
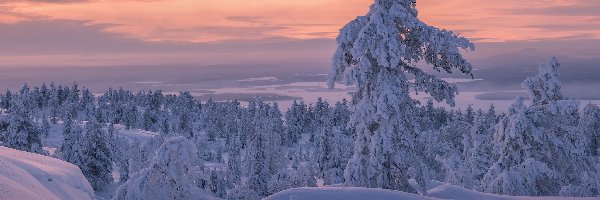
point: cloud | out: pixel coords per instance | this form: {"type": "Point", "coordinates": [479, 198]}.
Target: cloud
{"type": "Point", "coordinates": [62, 36]}
{"type": "Point", "coordinates": [581, 8]}
{"type": "Point", "coordinates": [230, 32]}
{"type": "Point", "coordinates": [73, 43]}
{"type": "Point", "coordinates": [65, 1]}
{"type": "Point", "coordinates": [571, 27]}
{"type": "Point", "coordinates": [47, 1]}
{"type": "Point", "coordinates": [514, 20]}
{"type": "Point", "coordinates": [250, 19]}
{"type": "Point", "coordinates": [175, 20]}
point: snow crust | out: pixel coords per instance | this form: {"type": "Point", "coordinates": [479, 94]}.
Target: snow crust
{"type": "Point", "coordinates": [28, 176]}
{"type": "Point", "coordinates": [449, 191]}
{"type": "Point", "coordinates": [346, 193]}
{"type": "Point", "coordinates": [438, 191]}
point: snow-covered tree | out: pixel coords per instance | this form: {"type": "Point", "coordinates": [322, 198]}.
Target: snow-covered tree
{"type": "Point", "coordinates": [545, 86]}
{"type": "Point", "coordinates": [282, 180]}
{"type": "Point", "coordinates": [218, 185]}
{"type": "Point", "coordinates": [378, 54]}
{"type": "Point", "coordinates": [168, 177]}
{"type": "Point", "coordinates": [319, 117]}
{"type": "Point", "coordinates": [22, 133]}
{"type": "Point", "coordinates": [242, 193]}
{"type": "Point", "coordinates": [590, 128]}
{"type": "Point", "coordinates": [480, 154]}
{"type": "Point", "coordinates": [87, 103]}
{"type": "Point", "coordinates": [45, 127]}
{"type": "Point", "coordinates": [296, 123]}
{"type": "Point", "coordinates": [210, 117]}
{"type": "Point", "coordinates": [341, 116]}
{"type": "Point", "coordinates": [118, 152]}
{"type": "Point", "coordinates": [305, 177]}
{"type": "Point", "coordinates": [6, 98]}
{"type": "Point", "coordinates": [538, 151]}
{"type": "Point", "coordinates": [97, 161]}
{"type": "Point", "coordinates": [71, 149]}
{"type": "Point", "coordinates": [454, 143]}
{"type": "Point", "coordinates": [184, 109]}
{"type": "Point", "coordinates": [263, 155]}
{"type": "Point", "coordinates": [131, 116]}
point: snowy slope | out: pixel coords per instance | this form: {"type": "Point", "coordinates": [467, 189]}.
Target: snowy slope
{"type": "Point", "coordinates": [443, 191]}
{"type": "Point", "coordinates": [346, 193]}
{"type": "Point", "coordinates": [27, 176]}
{"type": "Point", "coordinates": [448, 191]}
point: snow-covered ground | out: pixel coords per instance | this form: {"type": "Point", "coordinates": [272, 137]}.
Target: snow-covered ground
{"type": "Point", "coordinates": [448, 191]}
{"type": "Point", "coordinates": [438, 191]}
{"type": "Point", "coordinates": [135, 135]}
{"type": "Point", "coordinates": [28, 176]}
{"type": "Point", "coordinates": [345, 193]}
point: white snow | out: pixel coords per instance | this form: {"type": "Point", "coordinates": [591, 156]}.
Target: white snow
{"type": "Point", "coordinates": [135, 135]}
{"type": "Point", "coordinates": [346, 193]}
{"type": "Point", "coordinates": [438, 191]}
{"type": "Point", "coordinates": [28, 176]}
{"type": "Point", "coordinates": [448, 191]}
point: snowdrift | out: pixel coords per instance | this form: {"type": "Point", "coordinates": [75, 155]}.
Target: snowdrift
{"type": "Point", "coordinates": [28, 176]}
{"type": "Point", "coordinates": [346, 193]}
{"type": "Point", "coordinates": [448, 191]}
{"type": "Point", "coordinates": [441, 191]}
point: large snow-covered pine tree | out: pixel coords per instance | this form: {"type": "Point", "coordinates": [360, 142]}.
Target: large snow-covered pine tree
{"type": "Point", "coordinates": [378, 54]}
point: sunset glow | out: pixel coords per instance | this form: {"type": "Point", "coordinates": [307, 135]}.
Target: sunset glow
{"type": "Point", "coordinates": [206, 20]}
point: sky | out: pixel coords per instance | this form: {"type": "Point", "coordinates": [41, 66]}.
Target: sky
{"type": "Point", "coordinates": [281, 37]}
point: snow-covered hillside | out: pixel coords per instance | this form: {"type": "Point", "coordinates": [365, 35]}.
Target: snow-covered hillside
{"type": "Point", "coordinates": [28, 176]}
{"type": "Point", "coordinates": [346, 193]}
{"type": "Point", "coordinates": [441, 191]}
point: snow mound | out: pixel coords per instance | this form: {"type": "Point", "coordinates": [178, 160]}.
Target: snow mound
{"type": "Point", "coordinates": [346, 193]}
{"type": "Point", "coordinates": [28, 176]}
{"type": "Point", "coordinates": [438, 191]}
{"type": "Point", "coordinates": [448, 191]}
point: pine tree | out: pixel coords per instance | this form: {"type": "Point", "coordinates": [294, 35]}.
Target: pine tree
{"type": "Point", "coordinates": [87, 103]}
{"type": "Point", "coordinates": [131, 116]}
{"type": "Point", "coordinates": [590, 127]}
{"type": "Point", "coordinates": [45, 128]}
{"type": "Point", "coordinates": [211, 120]}
{"type": "Point", "coordinates": [481, 154]}
{"type": "Point", "coordinates": [185, 106]}
{"type": "Point", "coordinates": [341, 117]}
{"type": "Point", "coordinates": [305, 177]}
{"type": "Point", "coordinates": [97, 161]}
{"type": "Point", "coordinates": [295, 122]}
{"type": "Point", "coordinates": [234, 172]}
{"type": "Point", "coordinates": [6, 98]}
{"type": "Point", "coordinates": [231, 122]}
{"type": "Point", "coordinates": [168, 176]}
{"type": "Point", "coordinates": [539, 154]}
{"type": "Point", "coordinates": [53, 103]}
{"type": "Point", "coordinates": [243, 193]}
{"type": "Point", "coordinates": [22, 133]}
{"type": "Point", "coordinates": [118, 152]}
{"type": "Point", "coordinates": [282, 180]}
{"type": "Point", "coordinates": [376, 53]}
{"type": "Point", "coordinates": [71, 149]}
{"type": "Point", "coordinates": [258, 160]}
{"type": "Point", "coordinates": [455, 139]}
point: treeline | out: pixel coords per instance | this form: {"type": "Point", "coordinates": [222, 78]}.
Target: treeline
{"type": "Point", "coordinates": [256, 150]}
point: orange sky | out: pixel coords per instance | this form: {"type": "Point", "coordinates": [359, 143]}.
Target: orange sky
{"type": "Point", "coordinates": [210, 20]}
